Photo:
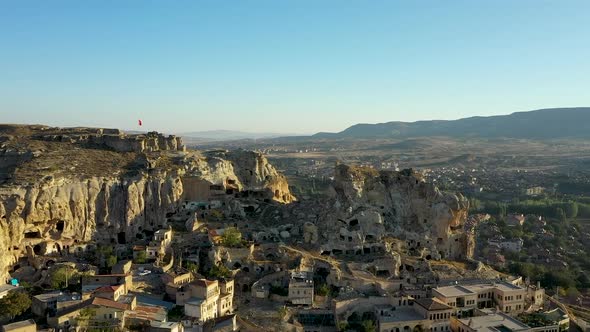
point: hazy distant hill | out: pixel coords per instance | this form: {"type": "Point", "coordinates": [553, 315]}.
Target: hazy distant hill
{"type": "Point", "coordinates": [545, 123]}
{"type": "Point", "coordinates": [226, 135]}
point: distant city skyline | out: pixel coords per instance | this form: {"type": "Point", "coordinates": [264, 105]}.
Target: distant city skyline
{"type": "Point", "coordinates": [296, 67]}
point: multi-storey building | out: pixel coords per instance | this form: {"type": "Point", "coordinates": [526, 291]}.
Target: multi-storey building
{"type": "Point", "coordinates": [206, 299]}
{"type": "Point", "coordinates": [465, 299]}
{"type": "Point", "coordinates": [301, 288]}
{"type": "Point", "coordinates": [427, 314]}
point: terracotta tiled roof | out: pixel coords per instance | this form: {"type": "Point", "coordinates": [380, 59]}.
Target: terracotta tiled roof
{"type": "Point", "coordinates": [109, 303]}
{"type": "Point", "coordinates": [106, 289]}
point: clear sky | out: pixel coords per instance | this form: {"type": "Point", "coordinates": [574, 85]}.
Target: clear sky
{"type": "Point", "coordinates": [288, 66]}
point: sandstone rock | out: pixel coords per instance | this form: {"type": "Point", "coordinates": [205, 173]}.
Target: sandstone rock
{"type": "Point", "coordinates": [373, 203]}
{"type": "Point", "coordinates": [310, 233]}
{"type": "Point", "coordinates": [54, 212]}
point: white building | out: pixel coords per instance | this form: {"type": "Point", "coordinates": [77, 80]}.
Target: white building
{"type": "Point", "coordinates": [160, 244]}
{"type": "Point", "coordinates": [204, 299]}
{"type": "Point", "coordinates": [514, 245]}
{"type": "Point", "coordinates": [465, 299]}
{"type": "Point", "coordinates": [489, 320]}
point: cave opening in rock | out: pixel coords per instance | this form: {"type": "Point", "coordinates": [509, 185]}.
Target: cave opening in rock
{"type": "Point", "coordinates": [33, 235]}
{"type": "Point", "coordinates": [382, 273]}
{"type": "Point", "coordinates": [37, 249]}
{"type": "Point", "coordinates": [60, 226]}
{"type": "Point", "coordinates": [121, 239]}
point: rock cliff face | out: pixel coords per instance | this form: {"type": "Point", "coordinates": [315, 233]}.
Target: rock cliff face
{"type": "Point", "coordinates": [47, 205]}
{"type": "Point", "coordinates": [112, 138]}
{"type": "Point", "coordinates": [58, 214]}
{"type": "Point", "coordinates": [368, 205]}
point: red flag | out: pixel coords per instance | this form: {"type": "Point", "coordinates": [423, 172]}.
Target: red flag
{"type": "Point", "coordinates": [140, 123]}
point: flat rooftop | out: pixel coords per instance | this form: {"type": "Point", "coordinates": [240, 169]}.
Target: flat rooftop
{"type": "Point", "coordinates": [454, 291]}
{"type": "Point", "coordinates": [494, 322]}
{"type": "Point", "coordinates": [195, 301]}
{"type": "Point", "coordinates": [7, 288]}
{"type": "Point", "coordinates": [19, 325]}
{"type": "Point", "coordinates": [57, 295]}
{"type": "Point", "coordinates": [466, 290]}
{"type": "Point", "coordinates": [401, 314]}
{"type": "Point", "coordinates": [165, 325]}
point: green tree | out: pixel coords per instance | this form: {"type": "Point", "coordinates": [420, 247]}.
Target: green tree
{"type": "Point", "coordinates": [368, 326]}
{"type": "Point", "coordinates": [502, 213]}
{"type": "Point", "coordinates": [14, 304]}
{"type": "Point", "coordinates": [475, 204]}
{"type": "Point", "coordinates": [141, 257]}
{"type": "Point", "coordinates": [111, 260]}
{"type": "Point", "coordinates": [231, 237]}
{"type": "Point", "coordinates": [60, 276]}
{"type": "Point", "coordinates": [342, 326]}
{"type": "Point", "coordinates": [557, 278]}
{"type": "Point", "coordinates": [176, 314]}
{"type": "Point", "coordinates": [571, 209]}
{"type": "Point", "coordinates": [560, 215]}
{"type": "Point", "coordinates": [219, 271]}
{"type": "Point", "coordinates": [322, 290]}
{"type": "Point", "coordinates": [86, 314]}
{"type": "Point", "coordinates": [192, 267]}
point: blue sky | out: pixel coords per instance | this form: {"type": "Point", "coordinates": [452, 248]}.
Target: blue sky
{"type": "Point", "coordinates": [297, 66]}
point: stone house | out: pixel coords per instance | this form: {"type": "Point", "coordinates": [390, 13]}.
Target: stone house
{"type": "Point", "coordinates": [465, 299]}
{"type": "Point", "coordinates": [5, 289]}
{"type": "Point", "coordinates": [204, 299]}
{"type": "Point", "coordinates": [91, 283]}
{"type": "Point", "coordinates": [426, 314]}
{"type": "Point", "coordinates": [43, 304]}
{"type": "Point", "coordinates": [301, 288]}
{"type": "Point", "coordinates": [175, 280]}
{"type": "Point", "coordinates": [160, 244]}
{"type": "Point", "coordinates": [492, 320]}
{"type": "Point", "coordinates": [23, 326]}
{"type": "Point", "coordinates": [165, 327]}
{"type": "Point", "coordinates": [513, 245]}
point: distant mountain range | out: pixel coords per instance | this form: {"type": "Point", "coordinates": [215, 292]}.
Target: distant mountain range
{"type": "Point", "coordinates": [539, 124]}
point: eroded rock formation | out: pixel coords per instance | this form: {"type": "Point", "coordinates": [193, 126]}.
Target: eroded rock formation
{"type": "Point", "coordinates": [60, 193]}
{"type": "Point", "coordinates": [368, 204]}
